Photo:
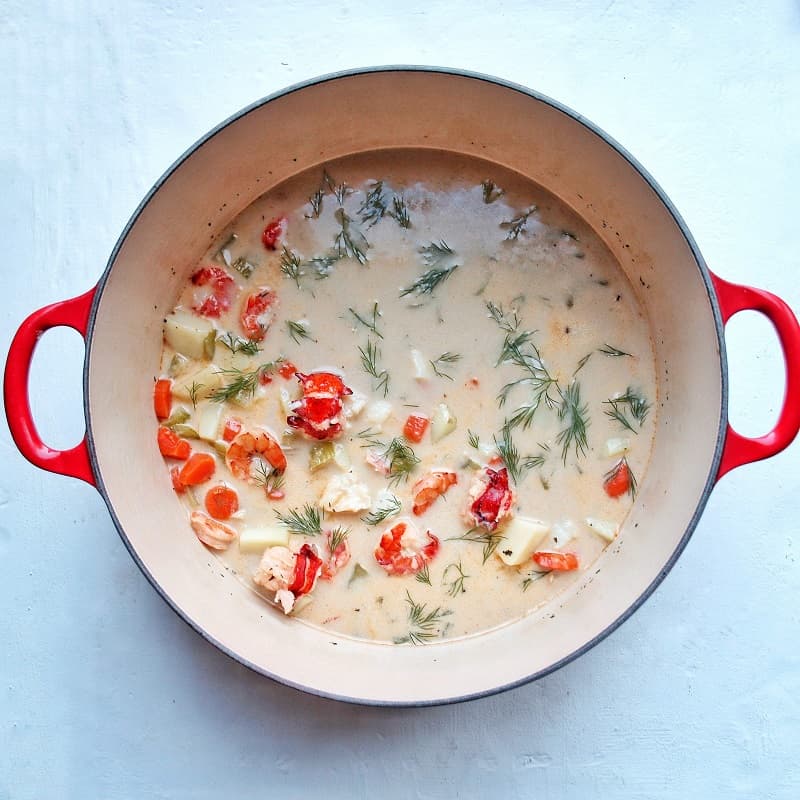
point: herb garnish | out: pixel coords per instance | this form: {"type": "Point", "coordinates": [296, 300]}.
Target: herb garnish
{"type": "Point", "coordinates": [193, 390]}
{"type": "Point", "coordinates": [400, 457]}
{"type": "Point", "coordinates": [400, 212]}
{"type": "Point", "coordinates": [244, 383]}
{"type": "Point", "coordinates": [236, 344]}
{"type": "Point", "coordinates": [582, 363]}
{"type": "Point", "coordinates": [456, 586]}
{"type": "Point", "coordinates": [425, 625]}
{"type": "Point", "coordinates": [473, 439]}
{"type": "Point", "coordinates": [490, 541]}
{"type": "Point", "coordinates": [491, 191]}
{"type": "Point", "coordinates": [306, 521]}
{"type": "Point", "coordinates": [337, 536]}
{"type": "Point", "coordinates": [315, 201]}
{"type": "Point", "coordinates": [636, 405]}
{"type": "Point", "coordinates": [388, 508]}
{"type": "Point", "coordinates": [445, 358]}
{"type": "Point", "coordinates": [374, 206]}
{"type": "Point", "coordinates": [350, 242]}
{"type": "Point", "coordinates": [517, 225]}
{"type": "Point", "coordinates": [290, 265]}
{"type": "Point", "coordinates": [574, 412]}
{"type": "Point", "coordinates": [612, 351]}
{"type": "Point", "coordinates": [424, 575]}
{"type": "Point", "coordinates": [243, 267]}
{"type": "Point", "coordinates": [369, 363]}
{"type": "Point", "coordinates": [298, 331]}
{"type": "Point", "coordinates": [371, 325]}
{"type": "Point", "coordinates": [269, 479]}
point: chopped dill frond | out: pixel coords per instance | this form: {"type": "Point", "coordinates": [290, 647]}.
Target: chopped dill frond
{"type": "Point", "coordinates": [306, 520]}
{"type": "Point", "coordinates": [490, 541]}
{"type": "Point", "coordinates": [367, 323]}
{"type": "Point", "coordinates": [491, 191]}
{"type": "Point", "coordinates": [315, 201]}
{"type": "Point", "coordinates": [425, 624]}
{"type": "Point", "coordinates": [575, 414]}
{"type": "Point", "coordinates": [337, 536]}
{"type": "Point", "coordinates": [424, 575]}
{"type": "Point", "coordinates": [636, 404]}
{"type": "Point", "coordinates": [298, 331]}
{"type": "Point", "coordinates": [434, 253]}
{"type": "Point", "coordinates": [244, 267]}
{"type": "Point", "coordinates": [268, 478]}
{"type": "Point", "coordinates": [244, 382]}
{"type": "Point", "coordinates": [582, 363]}
{"type": "Point", "coordinates": [444, 358]}
{"type": "Point", "coordinates": [369, 363]}
{"type": "Point", "coordinates": [350, 242]}
{"type": "Point", "coordinates": [290, 265]}
{"type": "Point", "coordinates": [400, 211]}
{"type": "Point", "coordinates": [389, 508]}
{"type": "Point", "coordinates": [473, 439]}
{"type": "Point", "coordinates": [456, 586]}
{"type": "Point", "coordinates": [374, 206]}
{"type": "Point", "coordinates": [402, 460]}
{"type": "Point", "coordinates": [518, 224]}
{"type": "Point", "coordinates": [236, 344]}
{"type": "Point", "coordinates": [613, 351]}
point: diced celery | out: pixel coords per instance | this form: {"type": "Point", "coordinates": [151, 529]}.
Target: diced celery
{"type": "Point", "coordinates": [520, 539]}
{"type": "Point", "coordinates": [178, 365]}
{"type": "Point", "coordinates": [210, 345]}
{"type": "Point", "coordinates": [443, 422]}
{"type": "Point", "coordinates": [186, 431]}
{"type": "Point", "coordinates": [358, 572]}
{"type": "Point", "coordinates": [257, 539]}
{"type": "Point", "coordinates": [221, 447]}
{"type": "Point", "coordinates": [189, 334]}
{"type": "Point", "coordinates": [177, 417]}
{"type": "Point", "coordinates": [320, 455]}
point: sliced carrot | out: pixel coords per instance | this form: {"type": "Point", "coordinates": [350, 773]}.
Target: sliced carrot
{"type": "Point", "coordinates": [172, 446]}
{"type": "Point", "coordinates": [198, 469]}
{"type": "Point", "coordinates": [287, 370]}
{"type": "Point", "coordinates": [162, 398]}
{"type": "Point", "coordinates": [558, 562]}
{"type": "Point", "coordinates": [415, 427]}
{"type": "Point", "coordinates": [232, 427]}
{"type": "Point", "coordinates": [221, 502]}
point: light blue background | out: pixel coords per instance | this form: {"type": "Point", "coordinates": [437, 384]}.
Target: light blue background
{"type": "Point", "coordinates": [105, 693]}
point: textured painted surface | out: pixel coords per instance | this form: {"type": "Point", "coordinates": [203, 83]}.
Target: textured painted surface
{"type": "Point", "coordinates": [105, 693]}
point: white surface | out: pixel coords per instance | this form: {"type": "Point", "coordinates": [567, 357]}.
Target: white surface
{"type": "Point", "coordinates": [106, 693]}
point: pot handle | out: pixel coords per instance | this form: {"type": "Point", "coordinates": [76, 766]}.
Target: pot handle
{"type": "Point", "coordinates": [72, 313]}
{"type": "Point", "coordinates": [740, 449]}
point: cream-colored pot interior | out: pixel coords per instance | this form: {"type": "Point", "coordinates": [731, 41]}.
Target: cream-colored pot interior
{"type": "Point", "coordinates": [368, 111]}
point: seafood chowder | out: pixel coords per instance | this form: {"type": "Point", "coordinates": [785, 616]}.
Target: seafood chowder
{"type": "Point", "coordinates": [406, 397]}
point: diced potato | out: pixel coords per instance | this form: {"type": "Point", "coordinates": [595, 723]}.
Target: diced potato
{"type": "Point", "coordinates": [378, 412]}
{"type": "Point", "coordinates": [190, 335]}
{"type": "Point", "coordinates": [603, 528]}
{"type": "Point", "coordinates": [423, 371]}
{"type": "Point", "coordinates": [443, 422]}
{"type": "Point", "coordinates": [208, 421]}
{"type": "Point", "coordinates": [198, 385]}
{"type": "Point", "coordinates": [617, 446]}
{"type": "Point", "coordinates": [520, 539]}
{"type": "Point", "coordinates": [257, 539]}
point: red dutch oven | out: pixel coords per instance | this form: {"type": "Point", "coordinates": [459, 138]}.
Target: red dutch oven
{"type": "Point", "coordinates": [404, 107]}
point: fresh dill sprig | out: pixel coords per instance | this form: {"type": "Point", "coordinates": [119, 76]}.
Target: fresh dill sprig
{"type": "Point", "coordinates": [315, 201]}
{"type": "Point", "coordinates": [424, 575]}
{"type": "Point", "coordinates": [434, 253]}
{"type": "Point", "coordinates": [532, 578]}
{"type": "Point", "coordinates": [400, 458]}
{"type": "Point", "coordinates": [473, 439]}
{"type": "Point", "coordinates": [369, 324]}
{"type": "Point", "coordinates": [637, 406]}
{"type": "Point", "coordinates": [508, 321]}
{"type": "Point", "coordinates": [341, 192]}
{"type": "Point", "coordinates": [321, 265]}
{"type": "Point", "coordinates": [193, 390]}
{"type": "Point", "coordinates": [244, 382]}
{"type": "Point", "coordinates": [298, 331]}
{"type": "Point", "coordinates": [517, 225]}
{"type": "Point", "coordinates": [369, 363]}
{"type": "Point", "coordinates": [290, 265]}
{"type": "Point", "coordinates": [400, 211]}
{"type": "Point", "coordinates": [429, 280]}
{"type": "Point", "coordinates": [456, 586]}
{"type": "Point", "coordinates": [374, 206]}
{"type": "Point", "coordinates": [327, 181]}
{"type": "Point", "coordinates": [384, 510]}
{"type": "Point", "coordinates": [337, 536]}
{"type": "Point", "coordinates": [244, 267]}
{"type": "Point", "coordinates": [425, 624]}
{"type": "Point", "coordinates": [445, 358]}
{"type": "Point", "coordinates": [236, 344]}
{"type": "Point", "coordinates": [350, 242]}
{"type": "Point", "coordinates": [269, 479]}
{"type": "Point", "coordinates": [306, 520]}
{"type": "Point", "coordinates": [612, 351]}
{"type": "Point", "coordinates": [532, 462]}
{"type": "Point", "coordinates": [491, 191]}
{"type": "Point", "coordinates": [574, 412]}
{"type": "Point", "coordinates": [516, 465]}
{"type": "Point", "coordinates": [582, 363]}
{"type": "Point", "coordinates": [490, 541]}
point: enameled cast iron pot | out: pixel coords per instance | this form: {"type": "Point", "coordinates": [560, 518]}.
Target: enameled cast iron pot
{"type": "Point", "coordinates": [310, 124]}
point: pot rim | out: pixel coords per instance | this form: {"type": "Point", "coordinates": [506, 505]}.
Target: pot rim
{"type": "Point", "coordinates": [643, 173]}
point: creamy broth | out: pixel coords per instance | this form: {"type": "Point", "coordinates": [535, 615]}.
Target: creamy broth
{"type": "Point", "coordinates": [519, 276]}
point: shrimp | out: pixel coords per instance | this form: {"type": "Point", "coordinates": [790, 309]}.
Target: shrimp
{"type": "Point", "coordinates": [403, 551]}
{"type": "Point", "coordinates": [246, 447]}
{"type": "Point", "coordinates": [211, 533]}
{"type": "Point", "coordinates": [215, 291]}
{"type": "Point", "coordinates": [289, 575]}
{"type": "Point", "coordinates": [490, 498]}
{"type": "Point", "coordinates": [337, 559]}
{"type": "Point", "coordinates": [427, 489]}
{"type": "Point", "coordinates": [317, 413]}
